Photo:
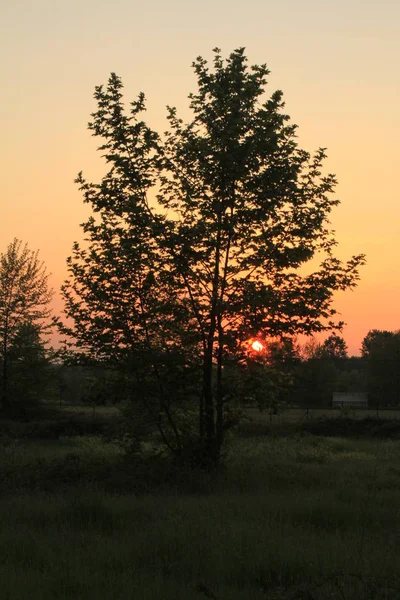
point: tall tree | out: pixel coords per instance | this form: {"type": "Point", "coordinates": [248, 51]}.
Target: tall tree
{"type": "Point", "coordinates": [200, 234]}
{"type": "Point", "coordinates": [24, 299]}
{"type": "Point", "coordinates": [381, 351]}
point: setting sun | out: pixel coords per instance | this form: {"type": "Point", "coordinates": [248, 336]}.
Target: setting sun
{"type": "Point", "coordinates": [257, 346]}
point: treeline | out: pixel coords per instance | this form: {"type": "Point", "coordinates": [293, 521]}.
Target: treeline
{"type": "Point", "coordinates": [34, 376]}
{"type": "Point", "coordinates": [323, 369]}
{"type": "Point", "coordinates": [286, 374]}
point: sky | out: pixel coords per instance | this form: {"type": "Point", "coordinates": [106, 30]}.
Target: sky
{"type": "Point", "coordinates": [336, 62]}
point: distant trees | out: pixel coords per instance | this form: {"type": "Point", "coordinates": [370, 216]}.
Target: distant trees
{"type": "Point", "coordinates": [381, 351]}
{"type": "Point", "coordinates": [24, 318]}
{"type": "Point", "coordinates": [326, 368]}
{"type": "Point", "coordinates": [29, 378]}
{"type": "Point", "coordinates": [196, 242]}
{"type": "Point", "coordinates": [334, 347]}
{"type": "Point", "coordinates": [314, 377]}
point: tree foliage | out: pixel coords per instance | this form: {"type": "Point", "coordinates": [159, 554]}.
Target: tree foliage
{"type": "Point", "coordinates": [30, 380]}
{"type": "Point", "coordinates": [334, 347]}
{"type": "Point", "coordinates": [24, 310]}
{"type": "Point", "coordinates": [326, 368]}
{"type": "Point", "coordinates": [381, 351]}
{"type": "Point", "coordinates": [198, 240]}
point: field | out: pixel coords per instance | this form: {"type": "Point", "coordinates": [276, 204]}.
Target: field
{"type": "Point", "coordinates": [293, 415]}
{"type": "Point", "coordinates": [290, 415]}
{"type": "Point", "coordinates": [288, 515]}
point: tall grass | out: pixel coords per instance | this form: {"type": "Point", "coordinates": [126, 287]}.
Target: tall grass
{"type": "Point", "coordinates": [297, 517]}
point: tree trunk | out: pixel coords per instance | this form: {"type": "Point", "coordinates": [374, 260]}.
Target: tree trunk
{"type": "Point", "coordinates": [201, 416]}
{"type": "Point", "coordinates": [4, 404]}
{"type": "Point", "coordinates": [208, 442]}
{"type": "Point", "coordinates": [219, 423]}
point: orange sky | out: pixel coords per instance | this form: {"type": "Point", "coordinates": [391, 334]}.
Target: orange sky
{"type": "Point", "coordinates": [337, 63]}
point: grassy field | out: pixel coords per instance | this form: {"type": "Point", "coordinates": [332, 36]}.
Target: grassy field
{"type": "Point", "coordinates": [296, 415]}
{"type": "Point", "coordinates": [290, 415]}
{"type": "Point", "coordinates": [285, 517]}
{"type": "Point", "coordinates": [96, 411]}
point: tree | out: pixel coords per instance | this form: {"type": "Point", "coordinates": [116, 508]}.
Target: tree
{"type": "Point", "coordinates": [378, 341]}
{"type": "Point", "coordinates": [24, 307]}
{"type": "Point", "coordinates": [324, 370]}
{"type": "Point", "coordinates": [334, 347]}
{"type": "Point", "coordinates": [198, 238]}
{"type": "Point", "coordinates": [263, 376]}
{"type": "Point", "coordinates": [381, 351]}
{"type": "Point", "coordinates": [310, 349]}
{"type": "Point", "coordinates": [30, 380]}
{"type": "Point", "coordinates": [315, 377]}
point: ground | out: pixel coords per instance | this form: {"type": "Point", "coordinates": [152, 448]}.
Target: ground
{"type": "Point", "coordinates": [289, 515]}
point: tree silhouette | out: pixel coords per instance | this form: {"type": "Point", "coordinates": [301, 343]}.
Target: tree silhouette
{"type": "Point", "coordinates": [30, 380]}
{"type": "Point", "coordinates": [197, 239]}
{"type": "Point", "coordinates": [381, 351]}
{"type": "Point", "coordinates": [24, 299]}
{"type": "Point", "coordinates": [334, 347]}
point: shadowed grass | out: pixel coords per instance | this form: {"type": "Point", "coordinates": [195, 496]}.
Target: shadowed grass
{"type": "Point", "coordinates": [235, 545]}
{"type": "Point", "coordinates": [301, 517]}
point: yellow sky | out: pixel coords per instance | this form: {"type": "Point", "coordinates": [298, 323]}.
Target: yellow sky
{"type": "Point", "coordinates": [337, 63]}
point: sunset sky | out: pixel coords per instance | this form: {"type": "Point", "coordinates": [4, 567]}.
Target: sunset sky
{"type": "Point", "coordinates": [337, 63]}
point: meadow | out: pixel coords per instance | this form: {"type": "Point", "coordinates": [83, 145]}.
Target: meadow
{"type": "Point", "coordinates": [291, 414]}
{"type": "Point", "coordinates": [297, 415]}
{"type": "Point", "coordinates": [289, 514]}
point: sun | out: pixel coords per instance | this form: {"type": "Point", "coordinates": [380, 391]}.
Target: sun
{"type": "Point", "coordinates": [257, 346]}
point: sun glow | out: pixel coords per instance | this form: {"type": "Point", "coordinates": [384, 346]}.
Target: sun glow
{"type": "Point", "coordinates": [257, 346]}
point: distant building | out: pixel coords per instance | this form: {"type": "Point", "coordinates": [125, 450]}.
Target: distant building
{"type": "Point", "coordinates": [352, 399]}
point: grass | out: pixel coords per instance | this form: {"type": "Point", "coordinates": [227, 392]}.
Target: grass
{"type": "Point", "coordinates": [294, 517]}
{"type": "Point", "coordinates": [18, 453]}
{"type": "Point", "coordinates": [291, 415]}
{"type": "Point", "coordinates": [102, 411]}
{"type": "Point", "coordinates": [298, 415]}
